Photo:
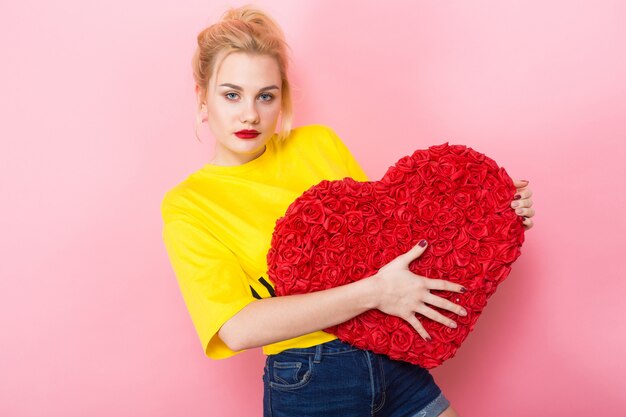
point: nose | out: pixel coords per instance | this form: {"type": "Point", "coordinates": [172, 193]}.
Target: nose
{"type": "Point", "coordinates": [249, 113]}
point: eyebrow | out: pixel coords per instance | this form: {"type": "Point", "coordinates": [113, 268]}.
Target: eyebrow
{"type": "Point", "coordinates": [236, 87]}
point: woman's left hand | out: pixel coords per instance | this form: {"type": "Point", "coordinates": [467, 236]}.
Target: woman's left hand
{"type": "Point", "coordinates": [523, 203]}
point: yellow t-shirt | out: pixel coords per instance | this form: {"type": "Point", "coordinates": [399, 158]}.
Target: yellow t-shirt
{"type": "Point", "coordinates": [218, 226]}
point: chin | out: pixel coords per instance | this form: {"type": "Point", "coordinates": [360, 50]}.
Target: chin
{"type": "Point", "coordinates": [249, 145]}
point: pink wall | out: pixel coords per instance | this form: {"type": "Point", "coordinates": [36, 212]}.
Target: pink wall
{"type": "Point", "coordinates": [97, 123]}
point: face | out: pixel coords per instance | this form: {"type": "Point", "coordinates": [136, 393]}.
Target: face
{"type": "Point", "coordinates": [244, 95]}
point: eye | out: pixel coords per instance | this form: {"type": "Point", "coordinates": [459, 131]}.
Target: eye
{"type": "Point", "coordinates": [231, 96]}
{"type": "Point", "coordinates": [266, 97]}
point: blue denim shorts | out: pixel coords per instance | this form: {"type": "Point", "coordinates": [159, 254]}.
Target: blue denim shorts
{"type": "Point", "coordinates": [337, 379]}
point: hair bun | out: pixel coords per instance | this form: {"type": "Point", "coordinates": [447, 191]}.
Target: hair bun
{"type": "Point", "coordinates": [245, 13]}
{"type": "Point", "coordinates": [254, 17]}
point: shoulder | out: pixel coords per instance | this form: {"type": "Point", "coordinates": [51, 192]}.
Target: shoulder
{"type": "Point", "coordinates": [312, 131]}
{"type": "Point", "coordinates": [180, 201]}
{"type": "Point", "coordinates": [314, 137]}
{"type": "Point", "coordinates": [173, 202]}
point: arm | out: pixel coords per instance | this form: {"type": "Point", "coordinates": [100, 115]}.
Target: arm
{"type": "Point", "coordinates": [394, 290]}
{"type": "Point", "coordinates": [271, 320]}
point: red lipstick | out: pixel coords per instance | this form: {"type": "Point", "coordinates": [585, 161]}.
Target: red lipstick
{"type": "Point", "coordinates": [247, 134]}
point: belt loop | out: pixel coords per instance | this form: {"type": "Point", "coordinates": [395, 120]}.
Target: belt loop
{"type": "Point", "coordinates": [318, 354]}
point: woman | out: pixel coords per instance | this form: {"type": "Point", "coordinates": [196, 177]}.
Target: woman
{"type": "Point", "coordinates": [218, 225]}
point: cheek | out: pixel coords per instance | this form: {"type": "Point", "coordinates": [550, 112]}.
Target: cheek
{"type": "Point", "coordinates": [271, 112]}
{"type": "Point", "coordinates": [220, 115]}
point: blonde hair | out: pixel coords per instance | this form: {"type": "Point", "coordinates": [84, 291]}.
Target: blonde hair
{"type": "Point", "coordinates": [249, 30]}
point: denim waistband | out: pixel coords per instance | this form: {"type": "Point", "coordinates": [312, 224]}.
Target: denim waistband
{"type": "Point", "coordinates": [333, 347]}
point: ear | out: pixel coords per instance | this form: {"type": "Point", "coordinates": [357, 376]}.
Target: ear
{"type": "Point", "coordinates": [199, 97]}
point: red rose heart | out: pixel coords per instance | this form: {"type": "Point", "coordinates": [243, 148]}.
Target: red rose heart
{"type": "Point", "coordinates": [338, 232]}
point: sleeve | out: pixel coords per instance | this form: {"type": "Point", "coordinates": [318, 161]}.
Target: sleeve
{"type": "Point", "coordinates": [213, 285]}
{"type": "Point", "coordinates": [354, 169]}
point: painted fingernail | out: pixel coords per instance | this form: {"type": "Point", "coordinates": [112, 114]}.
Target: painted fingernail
{"type": "Point", "coordinates": [422, 243]}
{"type": "Point", "coordinates": [428, 339]}
{"type": "Point", "coordinates": [463, 290]}
{"type": "Point", "coordinates": [517, 197]}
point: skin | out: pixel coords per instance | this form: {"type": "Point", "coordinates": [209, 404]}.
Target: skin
{"type": "Point", "coordinates": [245, 94]}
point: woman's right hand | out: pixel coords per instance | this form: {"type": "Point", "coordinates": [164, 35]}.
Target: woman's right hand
{"type": "Point", "coordinates": [402, 293]}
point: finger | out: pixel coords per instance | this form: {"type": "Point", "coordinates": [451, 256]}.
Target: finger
{"type": "Point", "coordinates": [442, 284]}
{"type": "Point", "coordinates": [526, 212]}
{"type": "Point", "coordinates": [415, 252]}
{"type": "Point", "coordinates": [520, 183]}
{"type": "Point", "coordinates": [441, 302]}
{"type": "Point", "coordinates": [413, 321]}
{"type": "Point", "coordinates": [523, 193]}
{"type": "Point", "coordinates": [528, 223]}
{"type": "Point", "coordinates": [426, 311]}
{"type": "Point", "coordinates": [522, 203]}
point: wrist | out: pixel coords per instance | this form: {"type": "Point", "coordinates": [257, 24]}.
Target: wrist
{"type": "Point", "coordinates": [370, 292]}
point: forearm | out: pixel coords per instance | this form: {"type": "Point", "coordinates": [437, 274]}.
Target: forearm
{"type": "Point", "coordinates": [271, 320]}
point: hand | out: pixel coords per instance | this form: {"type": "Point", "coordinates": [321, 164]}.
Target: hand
{"type": "Point", "coordinates": [523, 204]}
{"type": "Point", "coordinates": [402, 293]}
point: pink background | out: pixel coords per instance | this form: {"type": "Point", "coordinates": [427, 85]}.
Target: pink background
{"type": "Point", "coordinates": [97, 108]}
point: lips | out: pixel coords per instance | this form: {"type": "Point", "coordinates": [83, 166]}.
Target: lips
{"type": "Point", "coordinates": [247, 134]}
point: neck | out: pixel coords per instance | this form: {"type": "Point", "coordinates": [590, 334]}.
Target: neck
{"type": "Point", "coordinates": [233, 159]}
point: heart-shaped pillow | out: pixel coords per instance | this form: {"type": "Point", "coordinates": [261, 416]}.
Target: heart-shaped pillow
{"type": "Point", "coordinates": [341, 231]}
